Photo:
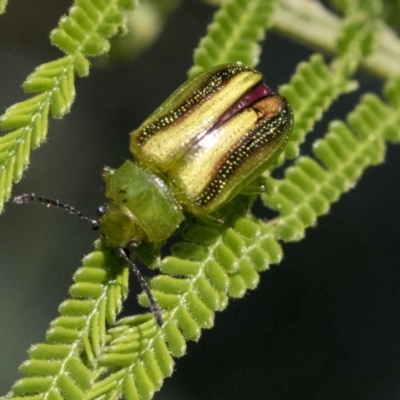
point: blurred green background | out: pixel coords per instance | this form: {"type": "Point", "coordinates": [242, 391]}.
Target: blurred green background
{"type": "Point", "coordinates": [324, 324]}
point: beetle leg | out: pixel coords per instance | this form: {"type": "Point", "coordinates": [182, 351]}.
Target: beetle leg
{"type": "Point", "coordinates": [154, 307]}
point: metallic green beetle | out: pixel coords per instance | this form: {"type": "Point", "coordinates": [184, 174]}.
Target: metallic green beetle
{"type": "Point", "coordinates": [212, 137]}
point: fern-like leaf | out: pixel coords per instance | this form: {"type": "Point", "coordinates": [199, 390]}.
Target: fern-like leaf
{"type": "Point", "coordinates": [89, 23]}
{"type": "Point", "coordinates": [347, 150]}
{"type": "Point", "coordinates": [310, 92]}
{"type": "Point", "coordinates": [61, 368]}
{"type": "Point", "coordinates": [309, 189]}
{"type": "Point", "coordinates": [233, 34]}
{"type": "Point", "coordinates": [82, 33]}
{"type": "Point", "coordinates": [197, 280]}
{"type": "Point", "coordinates": [316, 85]}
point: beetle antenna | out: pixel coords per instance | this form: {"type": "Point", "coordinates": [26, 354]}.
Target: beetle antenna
{"type": "Point", "coordinates": [29, 197]}
{"type": "Point", "coordinates": [154, 307]}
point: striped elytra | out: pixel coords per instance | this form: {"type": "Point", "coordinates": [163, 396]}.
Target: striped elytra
{"type": "Point", "coordinates": [213, 136]}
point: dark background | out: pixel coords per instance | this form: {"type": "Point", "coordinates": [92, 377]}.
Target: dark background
{"type": "Point", "coordinates": [322, 324]}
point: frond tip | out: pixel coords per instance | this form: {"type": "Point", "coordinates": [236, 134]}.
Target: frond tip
{"type": "Point", "coordinates": [89, 23]}
{"type": "Point", "coordinates": [29, 118]}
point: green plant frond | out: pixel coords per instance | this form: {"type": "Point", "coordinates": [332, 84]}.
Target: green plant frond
{"type": "Point", "coordinates": [233, 34]}
{"type": "Point", "coordinates": [315, 85]}
{"type": "Point", "coordinates": [310, 92]}
{"type": "Point", "coordinates": [372, 112]}
{"type": "Point", "coordinates": [61, 368]}
{"type": "Point", "coordinates": [357, 39]}
{"type": "Point", "coordinates": [29, 119]}
{"type": "Point", "coordinates": [89, 23]}
{"type": "Point", "coordinates": [140, 355]}
{"type": "Point", "coordinates": [82, 33]}
{"type": "Point", "coordinates": [347, 150]}
{"type": "Point", "coordinates": [56, 80]}
{"type": "Point", "coordinates": [3, 5]}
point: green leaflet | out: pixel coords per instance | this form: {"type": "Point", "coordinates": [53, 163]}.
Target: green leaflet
{"type": "Point", "coordinates": [220, 46]}
{"type": "Point", "coordinates": [310, 92]}
{"type": "Point", "coordinates": [61, 367]}
{"type": "Point", "coordinates": [29, 118]}
{"type": "Point", "coordinates": [80, 34]}
{"type": "Point", "coordinates": [75, 33]}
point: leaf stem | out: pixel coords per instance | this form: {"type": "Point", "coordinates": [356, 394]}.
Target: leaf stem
{"type": "Point", "coordinates": [308, 22]}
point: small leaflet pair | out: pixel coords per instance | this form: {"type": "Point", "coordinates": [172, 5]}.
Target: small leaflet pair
{"type": "Point", "coordinates": [213, 136]}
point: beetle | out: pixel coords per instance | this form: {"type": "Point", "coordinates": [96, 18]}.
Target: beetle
{"type": "Point", "coordinates": [211, 138]}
